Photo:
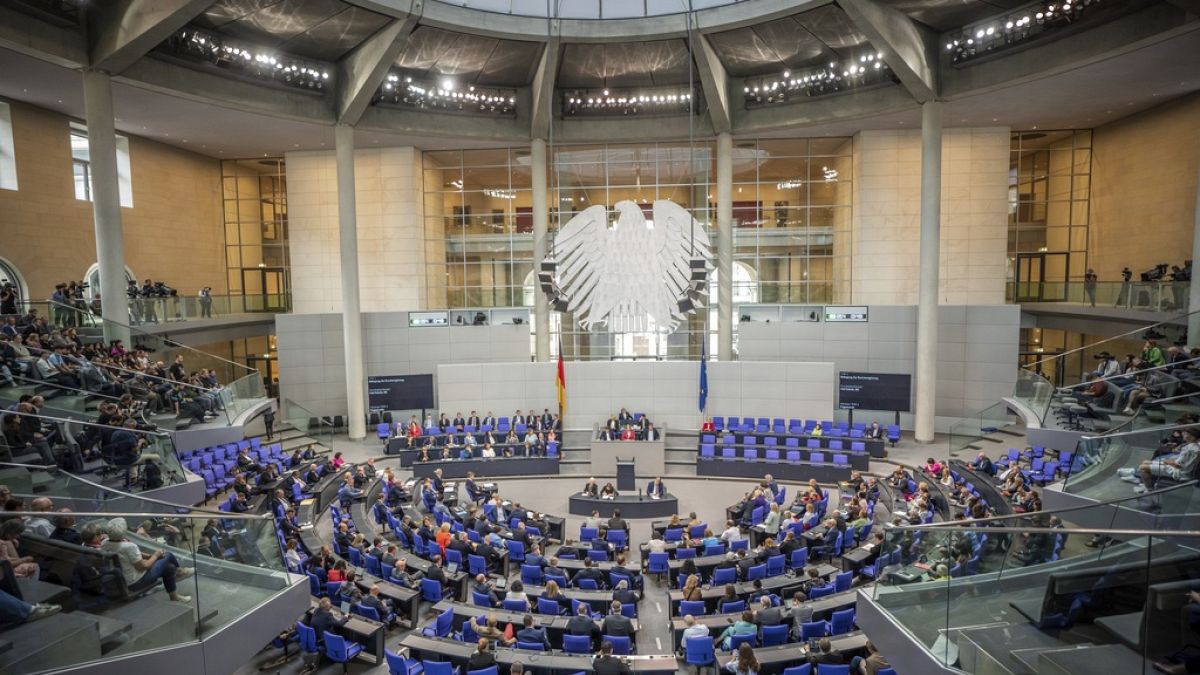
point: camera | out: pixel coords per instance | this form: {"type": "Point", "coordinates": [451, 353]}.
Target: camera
{"type": "Point", "coordinates": [1155, 273]}
{"type": "Point", "coordinates": [1126, 274]}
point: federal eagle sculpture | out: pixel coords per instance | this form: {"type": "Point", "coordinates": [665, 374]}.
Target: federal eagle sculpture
{"type": "Point", "coordinates": [635, 270]}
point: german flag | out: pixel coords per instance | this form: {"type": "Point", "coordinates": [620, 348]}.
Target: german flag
{"type": "Point", "coordinates": [560, 382]}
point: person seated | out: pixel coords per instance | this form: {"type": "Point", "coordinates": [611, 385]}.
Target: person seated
{"type": "Point", "coordinates": [607, 664]}
{"type": "Point", "coordinates": [482, 657]}
{"type": "Point", "coordinates": [874, 432]}
{"type": "Point", "coordinates": [817, 430]}
{"type": "Point", "coordinates": [707, 426]}
{"type": "Point", "coordinates": [628, 434]}
{"type": "Point", "coordinates": [617, 624]}
{"type": "Point", "coordinates": [589, 572]}
{"type": "Point", "coordinates": [743, 626]}
{"type": "Point", "coordinates": [609, 491]}
{"type": "Point", "coordinates": [825, 653]}
{"type": "Point", "coordinates": [143, 571]}
{"type": "Point", "coordinates": [1177, 466]}
{"type": "Point", "coordinates": [983, 464]}
{"type": "Point", "coordinates": [873, 663]}
{"type": "Point", "coordinates": [932, 467]}
{"type": "Point", "coordinates": [582, 624]}
{"type": "Point", "coordinates": [531, 633]}
{"type": "Point", "coordinates": [591, 489]}
{"type": "Point", "coordinates": [326, 619]}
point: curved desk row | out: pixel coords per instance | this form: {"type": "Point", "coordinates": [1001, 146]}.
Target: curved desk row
{"type": "Point", "coordinates": [781, 470]}
{"type": "Point", "coordinates": [632, 506]}
{"type": "Point", "coordinates": [499, 466]}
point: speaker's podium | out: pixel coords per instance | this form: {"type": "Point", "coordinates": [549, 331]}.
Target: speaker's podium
{"type": "Point", "coordinates": [648, 457]}
{"type": "Point", "coordinates": [626, 480]}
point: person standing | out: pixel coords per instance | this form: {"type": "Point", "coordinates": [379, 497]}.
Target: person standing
{"type": "Point", "coordinates": [269, 422]}
{"type": "Point", "coordinates": [206, 302]}
{"type": "Point", "coordinates": [1089, 286]}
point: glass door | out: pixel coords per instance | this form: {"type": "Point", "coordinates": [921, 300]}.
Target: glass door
{"type": "Point", "coordinates": [1042, 277]}
{"type": "Point", "coordinates": [265, 289]}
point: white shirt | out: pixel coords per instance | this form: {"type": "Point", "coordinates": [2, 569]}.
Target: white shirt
{"type": "Point", "coordinates": [39, 526]}
{"type": "Point", "coordinates": [732, 534]}
{"type": "Point", "coordinates": [488, 451]}
{"type": "Point", "coordinates": [129, 555]}
{"type": "Point", "coordinates": [697, 630]}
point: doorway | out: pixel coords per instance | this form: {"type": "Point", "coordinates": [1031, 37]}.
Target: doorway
{"type": "Point", "coordinates": [1042, 277]}
{"type": "Point", "coordinates": [265, 289]}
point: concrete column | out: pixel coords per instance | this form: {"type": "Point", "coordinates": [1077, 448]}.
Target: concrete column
{"type": "Point", "coordinates": [724, 247]}
{"type": "Point", "coordinates": [1193, 323]}
{"type": "Point", "coordinates": [927, 307]}
{"type": "Point", "coordinates": [106, 203]}
{"type": "Point", "coordinates": [541, 225]}
{"type": "Point", "coordinates": [356, 410]}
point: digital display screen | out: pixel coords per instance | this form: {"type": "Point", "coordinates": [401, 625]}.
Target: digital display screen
{"type": "Point", "coordinates": [399, 392]}
{"type": "Point", "coordinates": [836, 314]}
{"type": "Point", "coordinates": [875, 391]}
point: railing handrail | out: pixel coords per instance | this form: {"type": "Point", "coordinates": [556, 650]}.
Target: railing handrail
{"type": "Point", "coordinates": [1165, 366]}
{"type": "Point", "coordinates": [46, 383]}
{"type": "Point", "coordinates": [1172, 319]}
{"type": "Point", "coordinates": [1046, 530]}
{"type": "Point", "coordinates": [63, 420]}
{"type": "Point", "coordinates": [1158, 428]}
{"type": "Point", "coordinates": [106, 488]}
{"type": "Point", "coordinates": [162, 379]}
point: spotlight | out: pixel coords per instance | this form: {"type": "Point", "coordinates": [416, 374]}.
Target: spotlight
{"type": "Point", "coordinates": [560, 304]}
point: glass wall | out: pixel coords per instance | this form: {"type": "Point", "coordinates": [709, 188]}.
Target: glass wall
{"type": "Point", "coordinates": [791, 203]}
{"type": "Point", "coordinates": [1048, 193]}
{"type": "Point", "coordinates": [256, 232]}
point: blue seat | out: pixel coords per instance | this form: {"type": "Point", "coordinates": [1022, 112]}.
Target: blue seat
{"type": "Point", "coordinates": [698, 651]}
{"type": "Point", "coordinates": [477, 564]}
{"type": "Point", "coordinates": [439, 668]}
{"type": "Point", "coordinates": [548, 607]}
{"type": "Point", "coordinates": [708, 450]}
{"type": "Point", "coordinates": [805, 669]}
{"type": "Point", "coordinates": [828, 669]}
{"type": "Point", "coordinates": [714, 549]}
{"type": "Point", "coordinates": [398, 665]}
{"type": "Point", "coordinates": [658, 563]}
{"type": "Point", "coordinates": [757, 572]}
{"type": "Point", "coordinates": [776, 565]}
{"type": "Point", "coordinates": [442, 626]}
{"type": "Point", "coordinates": [577, 644]}
{"type": "Point", "coordinates": [597, 555]}
{"type": "Point", "coordinates": [490, 670]}
{"type": "Point", "coordinates": [431, 590]}
{"type": "Point", "coordinates": [531, 646]}
{"type": "Point", "coordinates": [697, 530]}
{"type": "Point", "coordinates": [515, 605]}
{"type": "Point", "coordinates": [629, 610]}
{"type": "Point", "coordinates": [724, 575]}
{"type": "Point", "coordinates": [813, 630]}
{"type": "Point", "coordinates": [843, 581]}
{"type": "Point", "coordinates": [736, 641]}
{"type": "Point", "coordinates": [531, 575]}
{"type": "Point", "coordinates": [587, 584]}
{"type": "Point", "coordinates": [841, 621]}
{"type": "Point", "coordinates": [816, 457]}
{"type": "Point", "coordinates": [588, 533]}
{"type": "Point", "coordinates": [799, 558]}
{"type": "Point", "coordinates": [621, 644]}
{"type": "Point", "coordinates": [340, 651]}
{"type": "Point", "coordinates": [733, 606]}
{"type": "Point", "coordinates": [307, 636]}
{"type": "Point", "coordinates": [314, 586]}
{"type": "Point", "coordinates": [774, 635]}
{"type": "Point", "coordinates": [685, 553]}
{"type": "Point", "coordinates": [739, 545]}
{"type": "Point", "coordinates": [332, 588]}
{"type": "Point", "coordinates": [481, 599]}
{"type": "Point", "coordinates": [693, 607]}
{"type": "Point", "coordinates": [820, 592]}
{"type": "Point", "coordinates": [516, 550]}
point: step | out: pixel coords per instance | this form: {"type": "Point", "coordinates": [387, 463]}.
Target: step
{"type": "Point", "coordinates": [154, 622]}
{"type": "Point", "coordinates": [680, 470]}
{"type": "Point", "coordinates": [112, 631]}
{"type": "Point", "coordinates": [34, 592]}
{"type": "Point", "coordinates": [1029, 657]}
{"type": "Point", "coordinates": [53, 643]}
{"type": "Point", "coordinates": [1010, 432]}
{"type": "Point", "coordinates": [584, 469]}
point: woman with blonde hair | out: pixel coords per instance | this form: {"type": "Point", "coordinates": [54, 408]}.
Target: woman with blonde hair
{"type": "Point", "coordinates": [691, 588]}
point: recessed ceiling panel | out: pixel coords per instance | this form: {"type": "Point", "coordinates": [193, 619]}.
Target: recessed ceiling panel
{"type": "Point", "coordinates": [947, 15]}
{"type": "Point", "coordinates": [317, 29]}
{"type": "Point", "coordinates": [470, 59]}
{"type": "Point", "coordinates": [802, 40]}
{"type": "Point", "coordinates": [628, 64]}
{"type": "Point", "coordinates": [830, 25]}
{"type": "Point", "coordinates": [331, 39]}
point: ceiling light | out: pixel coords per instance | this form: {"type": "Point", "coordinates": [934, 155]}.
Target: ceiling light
{"type": "Point", "coordinates": [447, 84]}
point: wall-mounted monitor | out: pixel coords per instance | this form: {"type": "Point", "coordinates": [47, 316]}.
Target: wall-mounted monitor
{"type": "Point", "coordinates": [834, 314]}
{"type": "Point", "coordinates": [875, 391]}
{"type": "Point", "coordinates": [422, 319]}
{"type": "Point", "coordinates": [399, 392]}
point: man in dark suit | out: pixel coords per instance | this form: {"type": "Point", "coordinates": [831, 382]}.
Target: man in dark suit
{"type": "Point", "coordinates": [624, 595]}
{"type": "Point", "coordinates": [624, 417]}
{"type": "Point", "coordinates": [607, 664]}
{"type": "Point", "coordinates": [522, 535]}
{"type": "Point", "coordinates": [532, 634]}
{"type": "Point", "coordinates": [381, 605]}
{"type": "Point", "coordinates": [589, 572]}
{"type": "Point", "coordinates": [553, 569]}
{"type": "Point", "coordinates": [461, 544]}
{"type": "Point", "coordinates": [324, 618]}
{"type": "Point", "coordinates": [436, 484]}
{"type": "Point", "coordinates": [656, 489]}
{"type": "Point", "coordinates": [547, 420]}
{"type": "Point", "coordinates": [582, 624]}
{"type": "Point", "coordinates": [484, 586]}
{"type": "Point", "coordinates": [744, 563]}
{"type": "Point", "coordinates": [617, 522]}
{"type": "Point", "coordinates": [825, 653]}
{"type": "Point", "coordinates": [459, 422]}
{"type": "Point", "coordinates": [617, 624]}
{"type": "Point", "coordinates": [489, 420]}
{"type": "Point", "coordinates": [473, 419]}
{"type": "Point", "coordinates": [438, 574]}
{"type": "Point", "coordinates": [767, 614]}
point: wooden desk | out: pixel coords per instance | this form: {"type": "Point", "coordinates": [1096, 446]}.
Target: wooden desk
{"type": "Point", "coordinates": [782, 585]}
{"type": "Point", "coordinates": [822, 608]}
{"type": "Point", "coordinates": [555, 626]}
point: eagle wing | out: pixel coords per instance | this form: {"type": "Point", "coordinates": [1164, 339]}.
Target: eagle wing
{"type": "Point", "coordinates": [582, 248]}
{"type": "Point", "coordinates": [676, 239]}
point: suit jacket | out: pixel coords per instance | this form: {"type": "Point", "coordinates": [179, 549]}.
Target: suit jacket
{"type": "Point", "coordinates": [473, 420]}
{"type": "Point", "coordinates": [768, 617]}
{"type": "Point", "coordinates": [615, 523]}
{"type": "Point", "coordinates": [618, 625]}
{"type": "Point", "coordinates": [625, 597]}
{"type": "Point", "coordinates": [581, 625]}
{"type": "Point", "coordinates": [609, 665]}
{"type": "Point", "coordinates": [660, 492]}
{"type": "Point", "coordinates": [323, 620]}
{"type": "Point", "coordinates": [535, 635]}
{"type": "Point", "coordinates": [378, 604]}
{"type": "Point", "coordinates": [489, 420]}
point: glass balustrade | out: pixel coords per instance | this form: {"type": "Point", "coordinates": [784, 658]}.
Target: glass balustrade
{"type": "Point", "coordinates": [223, 566]}
{"type": "Point", "coordinates": [970, 430]}
{"type": "Point", "coordinates": [1011, 594]}
{"type": "Point", "coordinates": [1153, 296]}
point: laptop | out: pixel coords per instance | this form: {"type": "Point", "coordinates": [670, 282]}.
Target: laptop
{"type": "Point", "coordinates": [451, 567]}
{"type": "Point", "coordinates": [345, 607]}
{"type": "Point", "coordinates": [500, 583]}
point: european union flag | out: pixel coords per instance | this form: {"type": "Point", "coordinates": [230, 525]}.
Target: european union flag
{"type": "Point", "coordinates": [703, 373]}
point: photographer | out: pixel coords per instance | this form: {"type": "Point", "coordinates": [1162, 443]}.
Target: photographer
{"type": "Point", "coordinates": [1089, 286]}
{"type": "Point", "coordinates": [149, 306]}
{"type": "Point", "coordinates": [206, 302]}
{"type": "Point", "coordinates": [135, 304]}
{"type": "Point", "coordinates": [1123, 295]}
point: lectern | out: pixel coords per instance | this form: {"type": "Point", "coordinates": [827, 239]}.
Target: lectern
{"type": "Point", "coordinates": [626, 482]}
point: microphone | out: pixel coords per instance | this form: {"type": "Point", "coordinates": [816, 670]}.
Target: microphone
{"type": "Point", "coordinates": [639, 494]}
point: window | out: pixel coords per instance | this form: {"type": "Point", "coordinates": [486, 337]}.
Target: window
{"type": "Point", "coordinates": [81, 164]}
{"type": "Point", "coordinates": [8, 155]}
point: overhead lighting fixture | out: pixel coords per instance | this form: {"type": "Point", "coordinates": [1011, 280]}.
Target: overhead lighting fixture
{"type": "Point", "coordinates": [1016, 27]}
{"type": "Point", "coordinates": [218, 51]}
{"type": "Point", "coordinates": [862, 70]}
{"type": "Point", "coordinates": [599, 102]}
{"type": "Point", "coordinates": [445, 95]}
